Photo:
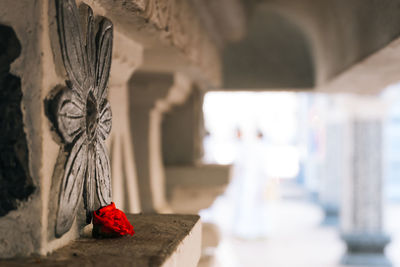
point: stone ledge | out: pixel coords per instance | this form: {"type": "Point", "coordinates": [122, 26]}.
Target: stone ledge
{"type": "Point", "coordinates": [193, 188]}
{"type": "Point", "coordinates": [160, 240]}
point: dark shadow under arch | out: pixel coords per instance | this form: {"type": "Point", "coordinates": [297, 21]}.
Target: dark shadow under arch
{"type": "Point", "coordinates": [274, 54]}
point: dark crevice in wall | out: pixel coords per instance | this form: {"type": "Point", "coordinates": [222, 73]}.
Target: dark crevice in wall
{"type": "Point", "coordinates": [16, 183]}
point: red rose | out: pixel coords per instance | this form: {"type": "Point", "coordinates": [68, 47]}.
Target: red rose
{"type": "Point", "coordinates": [111, 222]}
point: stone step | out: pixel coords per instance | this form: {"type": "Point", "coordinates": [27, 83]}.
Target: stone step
{"type": "Point", "coordinates": [166, 240]}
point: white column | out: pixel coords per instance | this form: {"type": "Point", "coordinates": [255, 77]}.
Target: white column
{"type": "Point", "coordinates": [334, 162]}
{"type": "Point", "coordinates": [362, 205]}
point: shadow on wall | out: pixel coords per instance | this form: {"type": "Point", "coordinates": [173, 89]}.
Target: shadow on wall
{"type": "Point", "coordinates": [15, 181]}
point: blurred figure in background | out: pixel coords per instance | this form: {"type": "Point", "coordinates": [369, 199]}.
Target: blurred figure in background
{"type": "Point", "coordinates": [248, 189]}
{"type": "Point", "coordinates": [243, 209]}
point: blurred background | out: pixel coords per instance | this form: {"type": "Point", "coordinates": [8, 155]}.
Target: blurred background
{"type": "Point", "coordinates": [287, 202]}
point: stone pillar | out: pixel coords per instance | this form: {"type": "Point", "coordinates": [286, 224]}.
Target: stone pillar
{"type": "Point", "coordinates": [362, 206]}
{"type": "Point", "coordinates": [151, 95]}
{"type": "Point", "coordinates": [187, 123]}
{"type": "Point", "coordinates": [182, 142]}
{"type": "Point", "coordinates": [127, 57]}
{"type": "Point", "coordinates": [314, 137]}
{"type": "Point", "coordinates": [334, 162]}
{"type": "Point", "coordinates": [191, 185]}
{"type": "Point", "coordinates": [329, 195]}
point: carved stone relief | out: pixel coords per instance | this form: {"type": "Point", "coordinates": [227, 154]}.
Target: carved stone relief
{"type": "Point", "coordinates": [81, 113]}
{"type": "Point", "coordinates": [15, 180]}
{"type": "Point", "coordinates": [170, 24]}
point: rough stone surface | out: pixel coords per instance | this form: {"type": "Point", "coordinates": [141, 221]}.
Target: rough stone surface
{"type": "Point", "coordinates": [15, 180]}
{"type": "Point", "coordinates": [20, 229]}
{"type": "Point", "coordinates": [83, 117]}
{"type": "Point", "coordinates": [172, 32]}
{"type": "Point", "coordinates": [157, 237]}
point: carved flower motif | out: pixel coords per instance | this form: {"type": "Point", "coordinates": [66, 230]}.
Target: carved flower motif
{"type": "Point", "coordinates": [82, 112]}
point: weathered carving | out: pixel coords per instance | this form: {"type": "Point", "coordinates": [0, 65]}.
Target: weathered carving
{"type": "Point", "coordinates": [82, 114]}
{"type": "Point", "coordinates": [15, 180]}
{"type": "Point", "coordinates": [159, 12]}
{"type": "Point", "coordinates": [171, 24]}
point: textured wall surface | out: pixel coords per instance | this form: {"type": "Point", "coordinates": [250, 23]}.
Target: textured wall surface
{"type": "Point", "coordinates": [15, 180]}
{"type": "Point", "coordinates": [167, 240]}
{"type": "Point", "coordinates": [20, 229]}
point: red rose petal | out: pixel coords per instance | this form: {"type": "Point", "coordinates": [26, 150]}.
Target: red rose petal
{"type": "Point", "coordinates": [111, 221]}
